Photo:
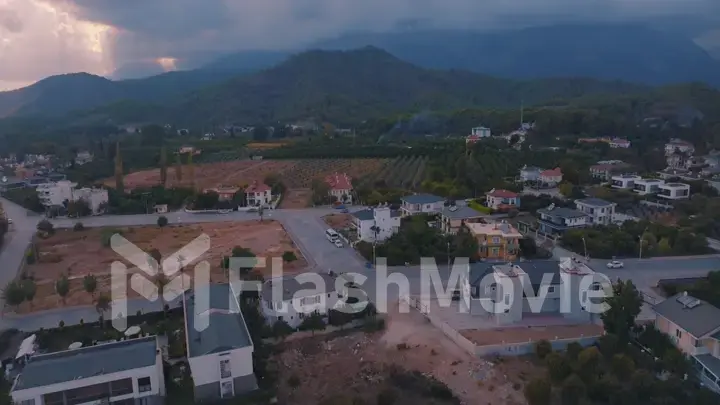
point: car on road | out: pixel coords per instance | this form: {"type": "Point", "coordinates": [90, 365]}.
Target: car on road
{"type": "Point", "coordinates": [345, 210]}
{"type": "Point", "coordinates": [338, 243]}
{"type": "Point", "coordinates": [615, 264]}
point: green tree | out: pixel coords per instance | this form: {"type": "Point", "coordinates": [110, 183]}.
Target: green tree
{"type": "Point", "coordinates": [178, 167]}
{"type": "Point", "coordinates": [29, 289]}
{"type": "Point", "coordinates": [623, 307]}
{"type": "Point", "coordinates": [566, 189]}
{"type": "Point", "coordinates": [538, 392]}
{"type": "Point", "coordinates": [572, 391]}
{"type": "Point", "coordinates": [589, 363]}
{"type": "Point", "coordinates": [558, 367]}
{"type": "Point", "coordinates": [162, 221]}
{"type": "Point", "coordinates": [78, 208]}
{"type": "Point", "coordinates": [664, 247]}
{"type": "Point", "coordinates": [281, 329]}
{"type": "Point", "coordinates": [289, 256]}
{"type": "Point", "coordinates": [46, 226]}
{"type": "Point", "coordinates": [102, 304]}
{"type": "Point", "coordinates": [13, 294]}
{"type": "Point", "coordinates": [62, 287]}
{"type": "Point", "coordinates": [90, 284]}
{"type": "Point", "coordinates": [622, 366]}
{"type": "Point", "coordinates": [543, 348]}
{"type": "Point", "coordinates": [163, 166]}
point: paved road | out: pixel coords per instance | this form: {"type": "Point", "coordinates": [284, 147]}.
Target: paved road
{"type": "Point", "coordinates": [307, 229]}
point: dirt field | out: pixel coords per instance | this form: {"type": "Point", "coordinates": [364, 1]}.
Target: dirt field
{"type": "Point", "coordinates": [338, 221]}
{"type": "Point", "coordinates": [296, 174]}
{"type": "Point", "coordinates": [358, 366]}
{"type": "Point", "coordinates": [77, 254]}
{"type": "Point", "coordinates": [296, 198]}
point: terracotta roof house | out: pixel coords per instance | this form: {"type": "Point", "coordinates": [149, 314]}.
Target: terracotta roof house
{"type": "Point", "coordinates": [258, 194]}
{"type": "Point", "coordinates": [502, 199]}
{"type": "Point", "coordinates": [552, 176]}
{"type": "Point", "coordinates": [340, 187]}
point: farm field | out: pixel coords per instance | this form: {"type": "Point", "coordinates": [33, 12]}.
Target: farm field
{"type": "Point", "coordinates": [402, 172]}
{"type": "Point", "coordinates": [406, 359]}
{"type": "Point", "coordinates": [296, 174]}
{"type": "Point", "coordinates": [79, 253]}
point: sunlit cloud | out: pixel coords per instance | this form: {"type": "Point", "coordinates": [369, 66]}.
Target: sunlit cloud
{"type": "Point", "coordinates": [168, 64]}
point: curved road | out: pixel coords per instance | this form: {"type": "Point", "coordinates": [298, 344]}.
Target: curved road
{"type": "Point", "coordinates": [307, 230]}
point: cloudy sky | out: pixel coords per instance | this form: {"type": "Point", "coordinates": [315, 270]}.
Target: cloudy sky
{"type": "Point", "coordinates": [39, 38]}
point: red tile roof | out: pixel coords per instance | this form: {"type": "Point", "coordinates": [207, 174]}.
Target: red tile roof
{"type": "Point", "coordinates": [339, 181]}
{"type": "Point", "coordinates": [257, 188]}
{"type": "Point", "coordinates": [502, 194]}
{"type": "Point", "coordinates": [552, 173]}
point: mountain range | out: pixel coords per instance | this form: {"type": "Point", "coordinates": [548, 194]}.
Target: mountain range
{"type": "Point", "coordinates": [423, 69]}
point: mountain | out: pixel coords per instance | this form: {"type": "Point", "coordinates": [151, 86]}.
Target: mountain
{"type": "Point", "coordinates": [625, 52]}
{"type": "Point", "coordinates": [347, 86]}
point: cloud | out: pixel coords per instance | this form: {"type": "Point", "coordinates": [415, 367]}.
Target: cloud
{"type": "Point", "coordinates": [41, 40]}
{"type": "Point", "coordinates": [102, 35]}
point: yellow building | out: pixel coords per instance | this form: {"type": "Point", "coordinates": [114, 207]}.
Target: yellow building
{"type": "Point", "coordinates": [499, 241]}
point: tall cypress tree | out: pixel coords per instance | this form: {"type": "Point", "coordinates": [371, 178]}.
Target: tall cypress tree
{"type": "Point", "coordinates": [163, 166]}
{"type": "Point", "coordinates": [119, 178]}
{"type": "Point", "coordinates": [178, 167]}
{"type": "Point", "coordinates": [191, 168]}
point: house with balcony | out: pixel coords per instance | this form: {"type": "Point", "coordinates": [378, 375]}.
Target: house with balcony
{"type": "Point", "coordinates": [605, 171]}
{"type": "Point", "coordinates": [219, 347]}
{"type": "Point", "coordinates": [647, 186]}
{"type": "Point", "coordinates": [376, 224]}
{"type": "Point", "coordinates": [225, 193]}
{"type": "Point", "coordinates": [674, 191]}
{"type": "Point", "coordinates": [551, 177]}
{"type": "Point", "coordinates": [83, 157]}
{"type": "Point", "coordinates": [694, 326]}
{"type": "Point", "coordinates": [258, 194]}
{"type": "Point", "coordinates": [502, 200]}
{"type": "Point", "coordinates": [292, 299]}
{"type": "Point", "coordinates": [123, 372]}
{"type": "Point", "coordinates": [498, 241]}
{"type": "Point", "coordinates": [557, 220]}
{"type": "Point", "coordinates": [478, 133]}
{"type": "Point", "coordinates": [624, 181]}
{"type": "Point", "coordinates": [551, 282]}
{"type": "Point", "coordinates": [340, 185]}
{"type": "Point", "coordinates": [452, 218]}
{"type": "Point", "coordinates": [679, 145]}
{"type": "Point", "coordinates": [600, 211]}
{"type": "Point", "coordinates": [421, 204]}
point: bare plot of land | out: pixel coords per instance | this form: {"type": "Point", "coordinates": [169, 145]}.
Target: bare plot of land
{"type": "Point", "coordinates": [296, 198]}
{"type": "Point", "coordinates": [359, 366]}
{"type": "Point", "coordinates": [76, 254]}
{"type": "Point", "coordinates": [338, 221]}
{"type": "Point", "coordinates": [524, 334]}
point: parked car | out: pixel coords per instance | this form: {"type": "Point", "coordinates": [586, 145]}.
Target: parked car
{"type": "Point", "coordinates": [615, 265]}
{"type": "Point", "coordinates": [338, 243]}
{"type": "Point", "coordinates": [345, 211]}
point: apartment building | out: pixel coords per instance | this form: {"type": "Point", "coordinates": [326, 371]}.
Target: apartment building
{"type": "Point", "coordinates": [600, 212]}
{"type": "Point", "coordinates": [624, 181]}
{"type": "Point", "coordinates": [57, 193]}
{"type": "Point", "coordinates": [376, 224]}
{"type": "Point", "coordinates": [128, 372]}
{"type": "Point", "coordinates": [499, 241]}
{"type": "Point", "coordinates": [551, 281]}
{"type": "Point", "coordinates": [694, 326]}
{"type": "Point", "coordinates": [421, 204]}
{"type": "Point", "coordinates": [556, 221]}
{"type": "Point", "coordinates": [219, 347]}
{"type": "Point", "coordinates": [647, 186]}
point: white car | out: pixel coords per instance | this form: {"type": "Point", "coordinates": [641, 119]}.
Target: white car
{"type": "Point", "coordinates": [338, 243]}
{"type": "Point", "coordinates": [615, 265]}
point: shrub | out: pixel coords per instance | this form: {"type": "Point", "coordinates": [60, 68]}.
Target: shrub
{"type": "Point", "coordinates": [78, 227]}
{"type": "Point", "coordinates": [289, 256]}
{"type": "Point", "coordinates": [106, 236]}
{"type": "Point", "coordinates": [45, 226]}
{"type": "Point", "coordinates": [538, 392]}
{"type": "Point", "coordinates": [387, 396]}
{"type": "Point", "coordinates": [543, 348]}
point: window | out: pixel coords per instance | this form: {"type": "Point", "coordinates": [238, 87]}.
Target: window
{"type": "Point", "coordinates": [26, 402]}
{"type": "Point", "coordinates": [225, 370]}
{"type": "Point", "coordinates": [55, 398]}
{"type": "Point", "coordinates": [495, 240]}
{"type": "Point", "coordinates": [678, 333]}
{"type": "Point", "coordinates": [551, 289]}
{"type": "Point", "coordinates": [310, 300]}
{"type": "Point", "coordinates": [507, 299]}
{"type": "Point", "coordinates": [144, 384]}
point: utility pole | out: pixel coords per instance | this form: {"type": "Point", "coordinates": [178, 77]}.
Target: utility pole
{"type": "Point", "coordinates": [642, 240]}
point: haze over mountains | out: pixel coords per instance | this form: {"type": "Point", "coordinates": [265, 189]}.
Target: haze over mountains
{"type": "Point", "coordinates": [629, 53]}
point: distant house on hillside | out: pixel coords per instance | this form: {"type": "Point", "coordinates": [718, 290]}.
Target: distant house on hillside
{"type": "Point", "coordinates": [258, 194]}
{"type": "Point", "coordinates": [552, 176]}
{"type": "Point", "coordinates": [478, 133]}
{"type": "Point", "coordinates": [678, 145]}
{"type": "Point", "coordinates": [502, 199]}
{"type": "Point", "coordinates": [340, 187]}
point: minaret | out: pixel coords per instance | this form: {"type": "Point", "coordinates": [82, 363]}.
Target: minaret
{"type": "Point", "coordinates": [119, 185]}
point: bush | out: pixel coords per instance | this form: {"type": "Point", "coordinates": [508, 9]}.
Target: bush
{"type": "Point", "coordinates": [477, 206]}
{"type": "Point", "coordinates": [542, 349]}
{"type": "Point", "coordinates": [45, 226]}
{"type": "Point", "coordinates": [289, 256]}
{"type": "Point", "coordinates": [106, 236]}
{"type": "Point", "coordinates": [387, 396]}
{"type": "Point", "coordinates": [78, 227]}
{"type": "Point", "coordinates": [538, 392]}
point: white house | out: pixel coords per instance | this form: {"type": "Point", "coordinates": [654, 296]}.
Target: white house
{"type": "Point", "coordinates": [619, 143]}
{"type": "Point", "coordinates": [421, 204]}
{"type": "Point", "coordinates": [481, 132]}
{"type": "Point", "coordinates": [129, 371]}
{"type": "Point", "coordinates": [674, 191]}
{"type": "Point", "coordinates": [55, 194]}
{"type": "Point", "coordinates": [555, 221]}
{"type": "Point", "coordinates": [340, 187]}
{"type": "Point", "coordinates": [83, 157]}
{"type": "Point", "coordinates": [501, 199]}
{"type": "Point", "coordinates": [292, 299]}
{"type": "Point", "coordinates": [647, 186]}
{"type": "Point", "coordinates": [552, 176]}
{"type": "Point", "coordinates": [624, 181]}
{"type": "Point", "coordinates": [219, 347]}
{"type": "Point", "coordinates": [678, 145]}
{"type": "Point", "coordinates": [376, 224]}
{"type": "Point", "coordinates": [600, 211]}
{"type": "Point", "coordinates": [530, 173]}
{"type": "Point", "coordinates": [258, 194]}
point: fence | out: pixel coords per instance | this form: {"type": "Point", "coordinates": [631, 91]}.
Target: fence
{"type": "Point", "coordinates": [503, 349]}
